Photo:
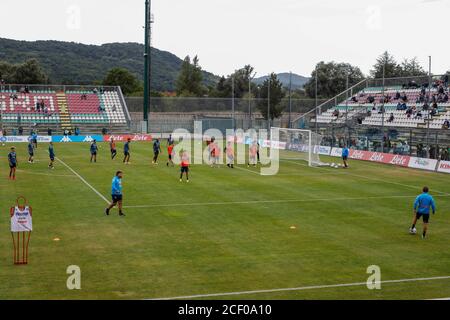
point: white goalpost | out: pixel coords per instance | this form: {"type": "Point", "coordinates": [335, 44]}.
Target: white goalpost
{"type": "Point", "coordinates": [297, 144]}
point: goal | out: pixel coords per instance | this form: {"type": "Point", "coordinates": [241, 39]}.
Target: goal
{"type": "Point", "coordinates": [297, 144]}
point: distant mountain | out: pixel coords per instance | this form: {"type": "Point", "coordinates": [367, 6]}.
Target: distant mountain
{"type": "Point", "coordinates": [298, 82]}
{"type": "Point", "coordinates": [75, 63]}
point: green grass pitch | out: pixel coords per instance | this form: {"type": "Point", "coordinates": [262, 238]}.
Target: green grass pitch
{"type": "Point", "coordinates": [226, 231]}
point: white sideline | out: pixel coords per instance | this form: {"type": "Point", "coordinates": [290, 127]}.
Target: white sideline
{"type": "Point", "coordinates": [84, 181]}
{"type": "Point", "coordinates": [267, 201]}
{"type": "Point", "coordinates": [340, 285]}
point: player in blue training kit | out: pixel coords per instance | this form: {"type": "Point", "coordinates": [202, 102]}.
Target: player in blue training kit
{"type": "Point", "coordinates": [156, 151]}
{"type": "Point", "coordinates": [51, 154]}
{"type": "Point", "coordinates": [30, 152]}
{"type": "Point", "coordinates": [116, 193]}
{"type": "Point", "coordinates": [345, 154]}
{"type": "Point", "coordinates": [126, 152]}
{"type": "Point", "coordinates": [12, 159]}
{"type": "Point", "coordinates": [422, 206]}
{"type": "Point", "coordinates": [94, 149]}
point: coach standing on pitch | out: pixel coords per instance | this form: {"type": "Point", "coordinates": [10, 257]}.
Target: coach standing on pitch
{"type": "Point", "coordinates": [116, 192]}
{"type": "Point", "coordinates": [422, 209]}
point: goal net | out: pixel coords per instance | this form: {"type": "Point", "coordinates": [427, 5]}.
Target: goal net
{"type": "Point", "coordinates": [297, 144]}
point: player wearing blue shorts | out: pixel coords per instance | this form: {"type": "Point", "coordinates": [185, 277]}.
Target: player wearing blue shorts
{"type": "Point", "coordinates": [345, 154]}
{"type": "Point", "coordinates": [422, 206]}
{"type": "Point", "coordinates": [156, 151]}
{"type": "Point", "coordinates": [116, 193]}
{"type": "Point", "coordinates": [126, 151]}
{"type": "Point", "coordinates": [30, 152]}
{"type": "Point", "coordinates": [12, 160]}
{"type": "Point", "coordinates": [51, 154]}
{"type": "Point", "coordinates": [94, 149]}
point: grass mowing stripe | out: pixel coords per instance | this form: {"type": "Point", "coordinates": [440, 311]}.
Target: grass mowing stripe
{"type": "Point", "coordinates": [340, 285]}
{"type": "Point", "coordinates": [268, 201]}
{"type": "Point", "coordinates": [83, 180]}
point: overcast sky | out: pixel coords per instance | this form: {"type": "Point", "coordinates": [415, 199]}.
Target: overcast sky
{"type": "Point", "coordinates": [281, 35]}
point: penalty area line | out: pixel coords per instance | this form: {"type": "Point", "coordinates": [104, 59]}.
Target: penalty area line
{"type": "Point", "coordinates": [340, 285]}
{"type": "Point", "coordinates": [83, 180]}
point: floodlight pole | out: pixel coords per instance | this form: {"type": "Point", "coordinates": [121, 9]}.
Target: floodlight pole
{"type": "Point", "coordinates": [428, 111]}
{"type": "Point", "coordinates": [232, 102]}
{"type": "Point", "coordinates": [268, 104]}
{"type": "Point", "coordinates": [250, 78]}
{"type": "Point", "coordinates": [316, 98]}
{"type": "Point", "coordinates": [346, 109]}
{"type": "Point", "coordinates": [147, 62]}
{"type": "Point", "coordinates": [382, 109]}
{"type": "Point", "coordinates": [290, 99]}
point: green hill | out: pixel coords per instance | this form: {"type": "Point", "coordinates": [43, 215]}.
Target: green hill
{"type": "Point", "coordinates": [298, 82]}
{"type": "Point", "coordinates": [75, 63]}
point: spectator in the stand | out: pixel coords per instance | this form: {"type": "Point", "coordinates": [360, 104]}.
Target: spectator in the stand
{"type": "Point", "coordinates": [95, 91]}
{"type": "Point", "coordinates": [404, 97]}
{"type": "Point", "coordinates": [49, 131]}
{"type": "Point", "coordinates": [391, 118]}
{"type": "Point", "coordinates": [104, 131]}
{"type": "Point", "coordinates": [83, 96]}
{"type": "Point", "coordinates": [27, 90]}
{"type": "Point", "coordinates": [445, 154]}
{"type": "Point", "coordinates": [370, 99]}
{"type": "Point", "coordinates": [354, 99]}
{"type": "Point", "coordinates": [397, 95]}
{"type": "Point", "coordinates": [382, 110]}
{"type": "Point", "coordinates": [441, 89]}
{"type": "Point", "coordinates": [446, 124]}
{"type": "Point", "coordinates": [446, 80]}
{"type": "Point", "coordinates": [445, 98]}
{"type": "Point", "coordinates": [77, 131]}
{"type": "Point", "coordinates": [336, 113]}
{"type": "Point", "coordinates": [20, 131]}
{"type": "Point", "coordinates": [425, 107]}
{"type": "Point", "coordinates": [409, 112]}
{"type": "Point", "coordinates": [419, 114]}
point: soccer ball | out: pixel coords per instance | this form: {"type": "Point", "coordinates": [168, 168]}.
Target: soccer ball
{"type": "Point", "coordinates": [413, 231]}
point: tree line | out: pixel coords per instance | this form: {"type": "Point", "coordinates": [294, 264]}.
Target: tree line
{"type": "Point", "coordinates": [332, 79]}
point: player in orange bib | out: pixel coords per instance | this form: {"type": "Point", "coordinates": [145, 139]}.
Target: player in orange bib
{"type": "Point", "coordinates": [170, 153]}
{"type": "Point", "coordinates": [112, 147]}
{"type": "Point", "coordinates": [253, 150]}
{"type": "Point", "coordinates": [184, 166]}
{"type": "Point", "coordinates": [230, 155]}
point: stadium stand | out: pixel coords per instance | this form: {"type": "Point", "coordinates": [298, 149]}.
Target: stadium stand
{"type": "Point", "coordinates": [90, 110]}
{"type": "Point", "coordinates": [403, 108]}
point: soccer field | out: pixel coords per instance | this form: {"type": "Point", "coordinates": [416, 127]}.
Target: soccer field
{"type": "Point", "coordinates": [227, 231]}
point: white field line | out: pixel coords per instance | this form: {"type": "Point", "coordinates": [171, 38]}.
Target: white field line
{"type": "Point", "coordinates": [370, 178]}
{"type": "Point", "coordinates": [267, 201]}
{"type": "Point", "coordinates": [83, 180]}
{"type": "Point", "coordinates": [340, 285]}
{"type": "Point", "coordinates": [46, 174]}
